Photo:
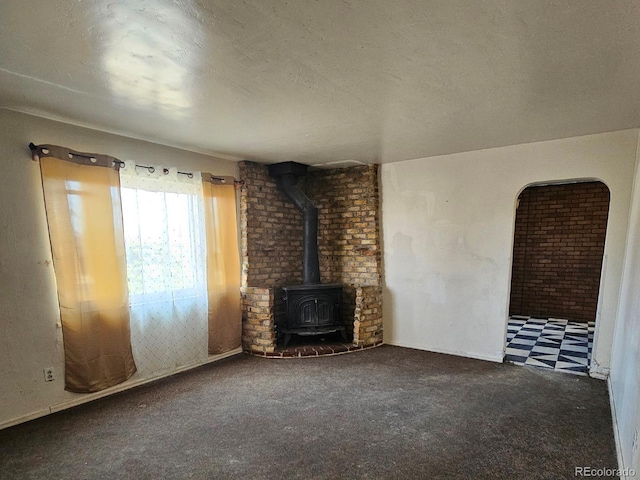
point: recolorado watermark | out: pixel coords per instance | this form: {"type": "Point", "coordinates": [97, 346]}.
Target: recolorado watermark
{"type": "Point", "coordinates": [604, 472]}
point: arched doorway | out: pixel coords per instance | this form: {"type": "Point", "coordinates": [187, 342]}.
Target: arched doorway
{"type": "Point", "coordinates": [558, 248]}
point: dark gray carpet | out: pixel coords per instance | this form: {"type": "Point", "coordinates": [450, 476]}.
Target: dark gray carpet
{"type": "Point", "coordinates": [388, 412]}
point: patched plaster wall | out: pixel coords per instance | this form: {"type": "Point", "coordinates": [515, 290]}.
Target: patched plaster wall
{"type": "Point", "coordinates": [448, 226]}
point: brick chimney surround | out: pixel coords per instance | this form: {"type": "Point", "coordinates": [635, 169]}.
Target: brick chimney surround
{"type": "Point", "coordinates": [349, 252]}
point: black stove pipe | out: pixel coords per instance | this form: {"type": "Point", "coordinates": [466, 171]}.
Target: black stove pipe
{"type": "Point", "coordinates": [310, 265]}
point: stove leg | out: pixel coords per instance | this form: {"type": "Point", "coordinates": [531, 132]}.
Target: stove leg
{"type": "Point", "coordinates": [344, 335]}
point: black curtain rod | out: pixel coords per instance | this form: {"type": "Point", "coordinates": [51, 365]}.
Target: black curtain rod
{"type": "Point", "coordinates": [153, 169]}
{"type": "Point", "coordinates": [188, 174]}
{"type": "Point", "coordinates": [106, 160]}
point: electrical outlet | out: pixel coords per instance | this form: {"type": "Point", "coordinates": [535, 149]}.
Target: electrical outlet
{"type": "Point", "coordinates": [635, 441]}
{"type": "Point", "coordinates": [49, 375]}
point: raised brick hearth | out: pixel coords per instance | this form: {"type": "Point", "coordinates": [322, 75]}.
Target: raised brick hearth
{"type": "Point", "coordinates": [313, 350]}
{"type": "Point", "coordinates": [349, 250]}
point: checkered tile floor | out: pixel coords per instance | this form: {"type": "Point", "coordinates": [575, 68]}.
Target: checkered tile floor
{"type": "Point", "coordinates": [553, 343]}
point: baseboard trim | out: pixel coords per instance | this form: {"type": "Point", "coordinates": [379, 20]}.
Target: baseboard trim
{"type": "Point", "coordinates": [616, 432]}
{"type": "Point", "coordinates": [110, 391]}
{"type": "Point", "coordinates": [476, 356]}
{"type": "Point", "coordinates": [25, 418]}
{"type": "Point", "coordinates": [596, 371]}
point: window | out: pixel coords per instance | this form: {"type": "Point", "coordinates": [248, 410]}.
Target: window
{"type": "Point", "coordinates": [146, 259]}
{"type": "Point", "coordinates": [166, 268]}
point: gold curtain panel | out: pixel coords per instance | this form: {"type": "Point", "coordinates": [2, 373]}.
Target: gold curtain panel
{"type": "Point", "coordinates": [85, 226]}
{"type": "Point", "coordinates": [223, 266]}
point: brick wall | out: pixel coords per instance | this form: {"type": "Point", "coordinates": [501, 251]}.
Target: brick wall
{"type": "Point", "coordinates": [258, 327]}
{"type": "Point", "coordinates": [348, 227]}
{"type": "Point", "coordinates": [558, 247]}
{"type": "Point", "coordinates": [271, 231]}
{"type": "Point", "coordinates": [367, 325]}
{"type": "Point", "coordinates": [348, 247]}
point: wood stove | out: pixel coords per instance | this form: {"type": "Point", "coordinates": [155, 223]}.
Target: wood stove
{"type": "Point", "coordinates": [312, 308]}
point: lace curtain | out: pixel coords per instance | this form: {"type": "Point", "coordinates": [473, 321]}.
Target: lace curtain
{"type": "Point", "coordinates": [166, 267]}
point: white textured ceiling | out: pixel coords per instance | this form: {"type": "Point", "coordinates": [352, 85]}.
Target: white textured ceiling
{"type": "Point", "coordinates": [329, 80]}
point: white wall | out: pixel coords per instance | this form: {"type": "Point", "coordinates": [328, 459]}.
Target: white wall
{"type": "Point", "coordinates": [625, 358]}
{"type": "Point", "coordinates": [447, 225]}
{"type": "Point", "coordinates": [29, 337]}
